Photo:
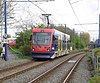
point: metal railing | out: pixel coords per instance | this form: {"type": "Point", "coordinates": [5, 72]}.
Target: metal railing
{"type": "Point", "coordinates": [95, 62]}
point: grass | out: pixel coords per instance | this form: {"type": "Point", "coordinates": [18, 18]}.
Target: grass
{"type": "Point", "coordinates": [26, 57]}
{"type": "Point", "coordinates": [14, 50]}
{"type": "Point", "coordinates": [95, 79]}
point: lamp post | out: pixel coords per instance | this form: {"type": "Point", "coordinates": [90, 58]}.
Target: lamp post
{"type": "Point", "coordinates": [5, 32]}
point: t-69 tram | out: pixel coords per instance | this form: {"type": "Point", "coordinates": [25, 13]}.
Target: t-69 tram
{"type": "Point", "coordinates": [49, 43]}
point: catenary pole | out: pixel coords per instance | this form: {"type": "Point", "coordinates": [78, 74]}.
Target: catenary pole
{"type": "Point", "coordinates": [99, 33]}
{"type": "Point", "coordinates": [5, 32]}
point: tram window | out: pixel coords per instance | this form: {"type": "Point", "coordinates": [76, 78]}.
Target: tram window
{"type": "Point", "coordinates": [54, 38]}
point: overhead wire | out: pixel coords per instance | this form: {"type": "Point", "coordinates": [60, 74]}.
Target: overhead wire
{"type": "Point", "coordinates": [42, 10]}
{"type": "Point", "coordinates": [55, 19]}
{"type": "Point", "coordinates": [76, 15]}
{"type": "Point", "coordinates": [36, 6]}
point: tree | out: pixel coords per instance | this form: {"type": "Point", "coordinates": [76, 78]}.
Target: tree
{"type": "Point", "coordinates": [23, 38]}
{"type": "Point", "coordinates": [23, 42]}
{"type": "Point", "coordinates": [1, 17]}
{"type": "Point", "coordinates": [61, 28]}
{"type": "Point", "coordinates": [10, 10]}
{"type": "Point", "coordinates": [9, 13]}
{"type": "Point", "coordinates": [41, 26]}
{"type": "Point", "coordinates": [76, 41]}
{"type": "Point", "coordinates": [85, 37]}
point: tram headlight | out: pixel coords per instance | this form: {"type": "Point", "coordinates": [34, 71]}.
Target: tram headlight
{"type": "Point", "coordinates": [53, 48]}
{"type": "Point", "coordinates": [33, 49]}
{"type": "Point", "coordinates": [48, 50]}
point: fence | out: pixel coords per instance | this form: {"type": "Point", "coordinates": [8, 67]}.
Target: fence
{"type": "Point", "coordinates": [95, 62]}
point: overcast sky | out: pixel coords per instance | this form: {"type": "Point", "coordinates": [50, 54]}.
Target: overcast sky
{"type": "Point", "coordinates": [87, 11]}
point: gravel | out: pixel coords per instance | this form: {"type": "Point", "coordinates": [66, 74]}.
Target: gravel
{"type": "Point", "coordinates": [11, 62]}
{"type": "Point", "coordinates": [81, 74]}
{"type": "Point", "coordinates": [60, 74]}
{"type": "Point", "coordinates": [25, 77]}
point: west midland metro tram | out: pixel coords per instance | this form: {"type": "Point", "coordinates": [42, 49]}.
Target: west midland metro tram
{"type": "Point", "coordinates": [49, 43]}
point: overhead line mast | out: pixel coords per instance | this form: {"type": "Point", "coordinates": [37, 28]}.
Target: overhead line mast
{"type": "Point", "coordinates": [5, 32]}
{"type": "Point", "coordinates": [99, 33]}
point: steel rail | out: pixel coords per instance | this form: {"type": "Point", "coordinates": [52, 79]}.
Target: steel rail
{"type": "Point", "coordinates": [48, 71]}
{"type": "Point", "coordinates": [25, 70]}
{"type": "Point", "coordinates": [20, 72]}
{"type": "Point", "coordinates": [16, 66]}
{"type": "Point", "coordinates": [72, 69]}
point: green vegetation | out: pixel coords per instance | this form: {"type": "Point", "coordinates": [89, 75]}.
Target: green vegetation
{"type": "Point", "coordinates": [41, 26]}
{"type": "Point", "coordinates": [13, 49]}
{"type": "Point", "coordinates": [77, 41]}
{"type": "Point", "coordinates": [23, 45]}
{"type": "Point", "coordinates": [0, 50]}
{"type": "Point", "coordinates": [18, 53]}
{"type": "Point", "coordinates": [26, 50]}
{"type": "Point", "coordinates": [97, 52]}
{"type": "Point", "coordinates": [23, 38]}
{"type": "Point", "coordinates": [95, 79]}
{"type": "Point", "coordinates": [99, 67]}
{"type": "Point", "coordinates": [23, 42]}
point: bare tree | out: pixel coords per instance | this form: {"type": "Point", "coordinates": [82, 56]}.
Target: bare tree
{"type": "Point", "coordinates": [28, 19]}
{"type": "Point", "coordinates": [10, 10]}
{"type": "Point", "coordinates": [1, 18]}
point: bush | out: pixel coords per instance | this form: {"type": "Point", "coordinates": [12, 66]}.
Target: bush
{"type": "Point", "coordinates": [23, 39]}
{"type": "Point", "coordinates": [97, 51]}
{"type": "Point", "coordinates": [25, 50]}
{"type": "Point", "coordinates": [0, 50]}
{"type": "Point", "coordinates": [95, 79]}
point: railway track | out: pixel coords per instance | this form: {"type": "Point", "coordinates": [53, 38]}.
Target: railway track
{"type": "Point", "coordinates": [41, 78]}
{"type": "Point", "coordinates": [15, 67]}
{"type": "Point", "coordinates": [72, 69]}
{"type": "Point", "coordinates": [11, 75]}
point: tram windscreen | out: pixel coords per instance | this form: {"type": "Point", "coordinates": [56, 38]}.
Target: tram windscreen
{"type": "Point", "coordinates": [41, 38]}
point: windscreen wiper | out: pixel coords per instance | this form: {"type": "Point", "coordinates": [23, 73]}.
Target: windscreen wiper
{"type": "Point", "coordinates": [37, 43]}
